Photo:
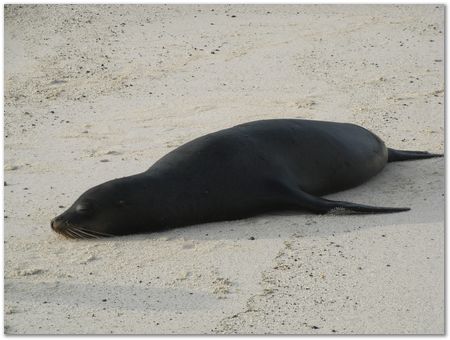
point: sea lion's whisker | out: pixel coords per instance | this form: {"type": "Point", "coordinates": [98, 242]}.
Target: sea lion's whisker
{"type": "Point", "coordinates": [86, 234]}
{"type": "Point", "coordinates": [94, 232]}
{"type": "Point", "coordinates": [99, 233]}
{"type": "Point", "coordinates": [66, 231]}
{"type": "Point", "coordinates": [91, 233]}
{"type": "Point", "coordinates": [76, 232]}
{"type": "Point", "coordinates": [81, 233]}
{"type": "Point", "coordinates": [63, 233]}
{"type": "Point", "coordinates": [70, 234]}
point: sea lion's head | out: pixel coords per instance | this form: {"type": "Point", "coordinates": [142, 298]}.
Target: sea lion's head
{"type": "Point", "coordinates": [108, 209]}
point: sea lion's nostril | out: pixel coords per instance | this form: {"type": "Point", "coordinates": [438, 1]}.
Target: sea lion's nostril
{"type": "Point", "coordinates": [52, 224]}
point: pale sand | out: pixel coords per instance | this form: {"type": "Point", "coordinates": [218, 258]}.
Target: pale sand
{"type": "Point", "coordinates": [127, 84]}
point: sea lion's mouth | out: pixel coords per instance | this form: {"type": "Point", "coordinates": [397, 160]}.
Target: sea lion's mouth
{"type": "Point", "coordinates": [69, 230]}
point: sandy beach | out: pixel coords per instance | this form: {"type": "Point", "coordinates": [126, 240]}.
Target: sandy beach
{"type": "Point", "coordinates": [99, 92]}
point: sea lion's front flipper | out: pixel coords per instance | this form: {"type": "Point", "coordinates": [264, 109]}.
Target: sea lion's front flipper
{"type": "Point", "coordinates": [322, 206]}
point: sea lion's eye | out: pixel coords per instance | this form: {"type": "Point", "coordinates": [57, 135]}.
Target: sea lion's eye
{"type": "Point", "coordinates": [121, 203]}
{"type": "Point", "coordinates": [83, 207]}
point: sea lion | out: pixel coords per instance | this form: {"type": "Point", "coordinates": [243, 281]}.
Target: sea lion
{"type": "Point", "coordinates": [249, 169]}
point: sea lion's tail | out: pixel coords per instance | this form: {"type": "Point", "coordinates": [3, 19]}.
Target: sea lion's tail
{"type": "Point", "coordinates": [404, 155]}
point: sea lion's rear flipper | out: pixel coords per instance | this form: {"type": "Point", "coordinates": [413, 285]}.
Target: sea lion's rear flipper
{"type": "Point", "coordinates": [321, 205]}
{"type": "Point", "coordinates": [404, 155]}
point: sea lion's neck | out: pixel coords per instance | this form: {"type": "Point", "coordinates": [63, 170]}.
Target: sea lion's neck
{"type": "Point", "coordinates": [165, 197]}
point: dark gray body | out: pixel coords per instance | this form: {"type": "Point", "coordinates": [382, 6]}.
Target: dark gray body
{"type": "Point", "coordinates": [242, 167]}
{"type": "Point", "coordinates": [238, 172]}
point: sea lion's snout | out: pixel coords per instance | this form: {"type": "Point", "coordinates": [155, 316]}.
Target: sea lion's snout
{"type": "Point", "coordinates": [71, 225]}
{"type": "Point", "coordinates": [61, 226]}
{"type": "Point", "coordinates": [56, 224]}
